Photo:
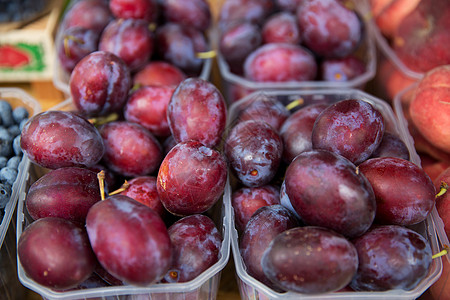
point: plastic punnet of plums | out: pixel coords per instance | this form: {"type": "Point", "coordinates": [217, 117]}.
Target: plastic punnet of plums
{"type": "Point", "coordinates": [391, 257]}
{"type": "Point", "coordinates": [55, 139]}
{"type": "Point", "coordinates": [310, 260]}
{"type": "Point", "coordinates": [352, 128]}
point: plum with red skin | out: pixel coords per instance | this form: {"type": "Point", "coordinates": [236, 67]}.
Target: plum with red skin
{"type": "Point", "coordinates": [74, 44]}
{"type": "Point", "coordinates": [90, 14]}
{"type": "Point", "coordinates": [288, 5]}
{"type": "Point", "coordinates": [342, 69]}
{"type": "Point", "coordinates": [137, 9]}
{"type": "Point", "coordinates": [404, 192]}
{"type": "Point", "coordinates": [143, 189]}
{"type": "Point", "coordinates": [131, 150]}
{"type": "Point", "coordinates": [56, 253]}
{"type": "Point", "coordinates": [264, 108]}
{"type": "Point", "coordinates": [196, 243]}
{"type": "Point", "coordinates": [129, 239]}
{"type": "Point", "coordinates": [237, 41]}
{"type": "Point", "coordinates": [247, 200]}
{"type": "Point", "coordinates": [158, 73]}
{"type": "Point", "coordinates": [129, 39]}
{"type": "Point", "coordinates": [147, 106]}
{"type": "Point", "coordinates": [264, 225]}
{"type": "Point", "coordinates": [297, 129]}
{"type": "Point", "coordinates": [179, 46]}
{"type": "Point", "coordinates": [168, 144]}
{"type": "Point", "coordinates": [191, 178]}
{"type": "Point", "coordinates": [188, 13]}
{"type": "Point", "coordinates": [280, 62]}
{"type": "Point", "coordinates": [253, 150]}
{"type": "Point", "coordinates": [352, 128]}
{"type": "Point", "coordinates": [310, 260]}
{"type": "Point", "coordinates": [254, 11]}
{"type": "Point", "coordinates": [391, 257]}
{"type": "Point", "coordinates": [391, 146]}
{"type": "Point", "coordinates": [281, 27]}
{"type": "Point", "coordinates": [55, 139]}
{"type": "Point", "coordinates": [328, 28]}
{"type": "Point", "coordinates": [99, 84]}
{"type": "Point", "coordinates": [66, 193]}
{"type": "Point", "coordinates": [326, 190]}
{"type": "Point", "coordinates": [197, 111]}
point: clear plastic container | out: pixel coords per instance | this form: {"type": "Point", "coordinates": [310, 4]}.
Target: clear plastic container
{"type": "Point", "coordinates": [383, 44]}
{"type": "Point", "coordinates": [10, 287]}
{"type": "Point", "coordinates": [61, 77]}
{"type": "Point", "coordinates": [205, 286]}
{"type": "Point", "coordinates": [400, 105]}
{"type": "Point", "coordinates": [250, 288]}
{"type": "Point", "coordinates": [366, 51]}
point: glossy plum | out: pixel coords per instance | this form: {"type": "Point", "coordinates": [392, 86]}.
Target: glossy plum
{"type": "Point", "coordinates": [264, 108]}
{"type": "Point", "coordinates": [266, 223]}
{"type": "Point", "coordinates": [74, 44]}
{"type": "Point", "coordinates": [99, 84]}
{"type": "Point", "coordinates": [191, 178]}
{"type": "Point", "coordinates": [296, 131]}
{"type": "Point", "coordinates": [404, 192]}
{"type": "Point", "coordinates": [54, 139]}
{"type": "Point", "coordinates": [391, 146]}
{"type": "Point", "coordinates": [66, 193]}
{"type": "Point", "coordinates": [131, 150]}
{"type": "Point", "coordinates": [246, 200]}
{"type": "Point", "coordinates": [391, 257]}
{"type": "Point", "coordinates": [352, 128]}
{"type": "Point", "coordinates": [328, 28]}
{"type": "Point", "coordinates": [129, 239]}
{"type": "Point", "coordinates": [342, 69]}
{"type": "Point", "coordinates": [129, 39]}
{"type": "Point", "coordinates": [279, 62]}
{"type": "Point", "coordinates": [310, 260]}
{"type": "Point", "coordinates": [197, 111]}
{"type": "Point", "coordinates": [281, 27]}
{"type": "Point", "coordinates": [90, 14]}
{"type": "Point", "coordinates": [137, 9]}
{"type": "Point", "coordinates": [254, 11]}
{"type": "Point", "coordinates": [143, 189]}
{"type": "Point", "coordinates": [196, 246]}
{"type": "Point", "coordinates": [56, 253]}
{"type": "Point", "coordinates": [254, 150]}
{"type": "Point", "coordinates": [326, 190]}
{"type": "Point", "coordinates": [188, 13]}
{"type": "Point", "coordinates": [158, 73]}
{"type": "Point", "coordinates": [147, 106]}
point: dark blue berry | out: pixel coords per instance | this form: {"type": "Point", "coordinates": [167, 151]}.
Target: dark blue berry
{"type": "Point", "coordinates": [8, 175]}
{"type": "Point", "coordinates": [5, 194]}
{"type": "Point", "coordinates": [20, 113]}
{"type": "Point", "coordinates": [6, 113]}
{"type": "Point", "coordinates": [14, 162]}
{"type": "Point", "coordinates": [3, 161]}
{"type": "Point", "coordinates": [22, 123]}
{"type": "Point", "coordinates": [16, 146]}
{"type": "Point", "coordinates": [5, 142]}
{"type": "Point", "coordinates": [14, 130]}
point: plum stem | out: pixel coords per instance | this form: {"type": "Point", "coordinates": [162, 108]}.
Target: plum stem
{"type": "Point", "coordinates": [68, 38]}
{"type": "Point", "coordinates": [206, 54]}
{"type": "Point", "coordinates": [443, 189]}
{"type": "Point", "coordinates": [103, 120]}
{"type": "Point", "coordinates": [442, 253]}
{"type": "Point", "coordinates": [124, 187]}
{"type": "Point", "coordinates": [152, 27]}
{"type": "Point", "coordinates": [295, 103]}
{"type": "Point", "coordinates": [101, 182]}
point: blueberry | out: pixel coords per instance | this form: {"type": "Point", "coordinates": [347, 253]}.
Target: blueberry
{"type": "Point", "coordinates": [5, 142]}
{"type": "Point", "coordinates": [6, 113]}
{"type": "Point", "coordinates": [8, 175]}
{"type": "Point", "coordinates": [20, 113]}
{"type": "Point", "coordinates": [14, 162]}
{"type": "Point", "coordinates": [3, 161]}
{"type": "Point", "coordinates": [14, 130]}
{"type": "Point", "coordinates": [22, 123]}
{"type": "Point", "coordinates": [16, 146]}
{"type": "Point", "coordinates": [5, 194]}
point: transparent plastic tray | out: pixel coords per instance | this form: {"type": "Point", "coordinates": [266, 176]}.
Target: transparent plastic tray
{"type": "Point", "coordinates": [366, 51]}
{"type": "Point", "coordinates": [250, 288]}
{"type": "Point", "coordinates": [61, 77]}
{"type": "Point", "coordinates": [400, 104]}
{"type": "Point", "coordinates": [10, 287]}
{"type": "Point", "coordinates": [205, 286]}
